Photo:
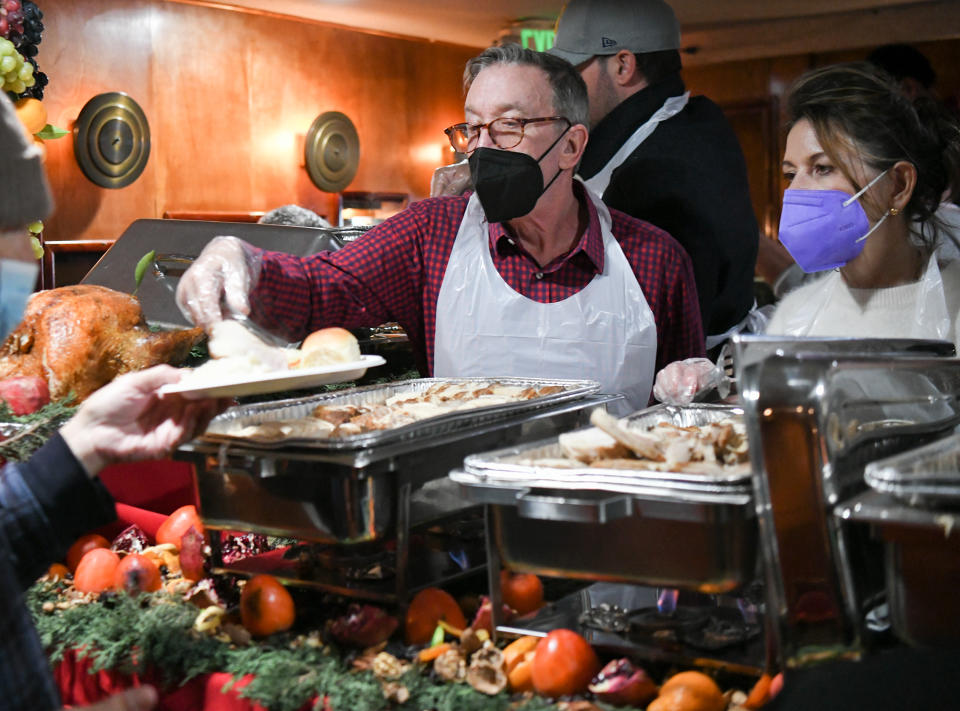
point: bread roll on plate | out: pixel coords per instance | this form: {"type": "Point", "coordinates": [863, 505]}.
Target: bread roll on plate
{"type": "Point", "coordinates": [329, 346]}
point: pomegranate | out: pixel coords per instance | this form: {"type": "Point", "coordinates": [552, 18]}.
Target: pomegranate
{"type": "Point", "coordinates": [620, 683]}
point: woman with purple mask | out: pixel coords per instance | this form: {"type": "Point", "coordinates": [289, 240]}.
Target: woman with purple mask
{"type": "Point", "coordinates": [867, 170]}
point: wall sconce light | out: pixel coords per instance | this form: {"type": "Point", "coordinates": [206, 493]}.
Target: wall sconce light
{"type": "Point", "coordinates": [332, 151]}
{"type": "Point", "coordinates": [111, 140]}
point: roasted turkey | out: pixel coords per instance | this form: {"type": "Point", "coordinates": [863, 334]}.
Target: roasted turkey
{"type": "Point", "coordinates": [78, 338]}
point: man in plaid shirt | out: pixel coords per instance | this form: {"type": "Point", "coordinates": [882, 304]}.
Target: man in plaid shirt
{"type": "Point", "coordinates": [530, 276]}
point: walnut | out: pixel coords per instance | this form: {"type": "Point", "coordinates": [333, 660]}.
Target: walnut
{"type": "Point", "coordinates": [387, 666]}
{"type": "Point", "coordinates": [486, 673]}
{"type": "Point", "coordinates": [392, 691]}
{"type": "Point", "coordinates": [450, 666]}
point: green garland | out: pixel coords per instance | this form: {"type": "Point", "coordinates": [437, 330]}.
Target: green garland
{"type": "Point", "coordinates": [31, 431]}
{"type": "Point", "coordinates": [155, 631]}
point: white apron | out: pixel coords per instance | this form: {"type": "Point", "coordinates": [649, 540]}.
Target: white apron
{"type": "Point", "coordinates": [604, 332]}
{"type": "Point", "coordinates": [671, 107]}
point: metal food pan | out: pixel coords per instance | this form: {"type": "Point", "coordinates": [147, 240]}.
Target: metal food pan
{"type": "Point", "coordinates": [354, 495]}
{"type": "Point", "coordinates": [921, 565]}
{"type": "Point", "coordinates": [237, 417]}
{"type": "Point", "coordinates": [928, 475]}
{"type": "Point", "coordinates": [671, 529]}
{"type": "Point", "coordinates": [509, 466]}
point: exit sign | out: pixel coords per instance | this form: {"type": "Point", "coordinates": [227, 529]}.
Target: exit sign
{"type": "Point", "coordinates": [540, 40]}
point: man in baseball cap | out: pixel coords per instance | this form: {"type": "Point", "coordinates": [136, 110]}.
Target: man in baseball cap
{"type": "Point", "coordinates": [659, 154]}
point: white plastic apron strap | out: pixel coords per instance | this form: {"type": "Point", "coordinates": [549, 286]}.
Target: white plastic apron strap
{"type": "Point", "coordinates": [671, 107]}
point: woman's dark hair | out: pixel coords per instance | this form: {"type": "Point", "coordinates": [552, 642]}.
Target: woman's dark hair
{"type": "Point", "coordinates": [857, 109]}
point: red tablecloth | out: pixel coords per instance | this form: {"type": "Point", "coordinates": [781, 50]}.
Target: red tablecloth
{"type": "Point", "coordinates": [78, 687]}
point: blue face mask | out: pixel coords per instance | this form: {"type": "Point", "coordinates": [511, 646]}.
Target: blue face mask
{"type": "Point", "coordinates": [17, 280]}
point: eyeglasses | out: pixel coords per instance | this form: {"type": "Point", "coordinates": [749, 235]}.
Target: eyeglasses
{"type": "Point", "coordinates": [505, 132]}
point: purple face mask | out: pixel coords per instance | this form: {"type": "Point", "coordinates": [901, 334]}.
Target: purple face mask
{"type": "Point", "coordinates": [824, 229]}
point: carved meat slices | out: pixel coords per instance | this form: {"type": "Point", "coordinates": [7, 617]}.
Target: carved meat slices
{"type": "Point", "coordinates": [78, 338]}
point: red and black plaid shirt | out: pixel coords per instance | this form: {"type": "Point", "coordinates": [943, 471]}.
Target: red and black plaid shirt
{"type": "Point", "coordinates": [394, 273]}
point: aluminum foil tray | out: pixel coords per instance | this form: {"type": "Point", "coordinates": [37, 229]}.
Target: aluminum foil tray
{"type": "Point", "coordinates": [507, 468]}
{"type": "Point", "coordinates": [927, 475]}
{"type": "Point", "coordinates": [237, 417]}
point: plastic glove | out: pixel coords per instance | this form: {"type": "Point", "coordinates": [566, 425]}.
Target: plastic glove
{"type": "Point", "coordinates": [140, 698]}
{"type": "Point", "coordinates": [127, 420]}
{"type": "Point", "coordinates": [225, 273]}
{"type": "Point", "coordinates": [679, 382]}
{"type": "Point", "coordinates": [451, 179]}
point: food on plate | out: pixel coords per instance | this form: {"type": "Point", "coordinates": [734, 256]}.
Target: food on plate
{"type": "Point", "coordinates": [266, 606]}
{"type": "Point", "coordinates": [714, 448]}
{"type": "Point", "coordinates": [328, 346]}
{"type": "Point", "coordinates": [96, 570]}
{"type": "Point", "coordinates": [620, 683]}
{"type": "Point", "coordinates": [236, 352]}
{"type": "Point", "coordinates": [427, 608]}
{"type": "Point", "coordinates": [79, 338]}
{"type": "Point", "coordinates": [564, 664]}
{"type": "Point", "coordinates": [689, 691]}
{"type": "Point", "coordinates": [136, 573]}
{"type": "Point", "coordinates": [521, 591]}
{"type": "Point", "coordinates": [402, 408]}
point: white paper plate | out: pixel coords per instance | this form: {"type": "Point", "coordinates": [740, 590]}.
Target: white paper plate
{"type": "Point", "coordinates": [262, 383]}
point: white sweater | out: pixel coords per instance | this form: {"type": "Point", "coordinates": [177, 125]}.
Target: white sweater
{"type": "Point", "coordinates": [834, 309]}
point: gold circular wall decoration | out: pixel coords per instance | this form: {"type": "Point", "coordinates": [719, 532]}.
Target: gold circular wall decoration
{"type": "Point", "coordinates": [111, 140]}
{"type": "Point", "coordinates": [332, 151]}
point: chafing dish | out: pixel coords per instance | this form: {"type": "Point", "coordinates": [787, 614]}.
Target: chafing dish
{"type": "Point", "coordinates": [921, 565]}
{"type": "Point", "coordinates": [658, 528]}
{"type": "Point", "coordinates": [814, 421]}
{"type": "Point", "coordinates": [350, 490]}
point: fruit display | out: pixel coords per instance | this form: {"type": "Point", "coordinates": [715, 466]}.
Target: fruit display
{"type": "Point", "coordinates": [136, 595]}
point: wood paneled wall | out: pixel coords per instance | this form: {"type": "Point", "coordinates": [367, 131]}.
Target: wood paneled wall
{"type": "Point", "coordinates": [230, 96]}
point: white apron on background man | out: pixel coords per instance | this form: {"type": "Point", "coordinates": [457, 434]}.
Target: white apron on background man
{"type": "Point", "coordinates": [604, 332]}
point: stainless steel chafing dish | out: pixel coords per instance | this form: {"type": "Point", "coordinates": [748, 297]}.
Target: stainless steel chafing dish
{"type": "Point", "coordinates": [659, 528]}
{"type": "Point", "coordinates": [358, 488]}
{"type": "Point", "coordinates": [815, 419]}
{"type": "Point", "coordinates": [913, 508]}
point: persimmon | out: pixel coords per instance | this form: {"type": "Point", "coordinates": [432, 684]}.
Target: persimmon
{"type": "Point", "coordinates": [57, 571]}
{"type": "Point", "coordinates": [96, 570]}
{"type": "Point", "coordinates": [81, 546]}
{"type": "Point", "coordinates": [427, 608]}
{"type": "Point", "coordinates": [520, 678]}
{"type": "Point", "coordinates": [689, 691]}
{"type": "Point", "coordinates": [514, 652]}
{"type": "Point", "coordinates": [178, 523]}
{"type": "Point", "coordinates": [521, 591]}
{"type": "Point", "coordinates": [135, 574]}
{"type": "Point", "coordinates": [266, 606]}
{"type": "Point", "coordinates": [563, 664]}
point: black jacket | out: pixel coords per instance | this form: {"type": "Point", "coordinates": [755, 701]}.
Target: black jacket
{"type": "Point", "coordinates": [689, 178]}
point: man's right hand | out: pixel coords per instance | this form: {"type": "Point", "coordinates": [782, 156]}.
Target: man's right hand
{"type": "Point", "coordinates": [224, 274]}
{"type": "Point", "coordinates": [141, 698]}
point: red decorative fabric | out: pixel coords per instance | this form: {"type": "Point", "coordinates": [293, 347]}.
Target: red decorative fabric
{"type": "Point", "coordinates": [78, 687]}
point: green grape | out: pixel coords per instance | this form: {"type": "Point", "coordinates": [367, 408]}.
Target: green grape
{"type": "Point", "coordinates": [30, 81]}
{"type": "Point", "coordinates": [35, 227]}
{"type": "Point", "coordinates": [18, 87]}
{"type": "Point", "coordinates": [6, 47]}
{"type": "Point", "coordinates": [26, 71]}
{"type": "Point", "coordinates": [7, 64]}
{"type": "Point", "coordinates": [37, 247]}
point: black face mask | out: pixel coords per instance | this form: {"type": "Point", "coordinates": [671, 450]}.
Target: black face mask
{"type": "Point", "coordinates": [508, 183]}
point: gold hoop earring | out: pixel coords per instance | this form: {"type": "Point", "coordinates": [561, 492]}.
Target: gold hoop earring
{"type": "Point", "coordinates": [894, 211]}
